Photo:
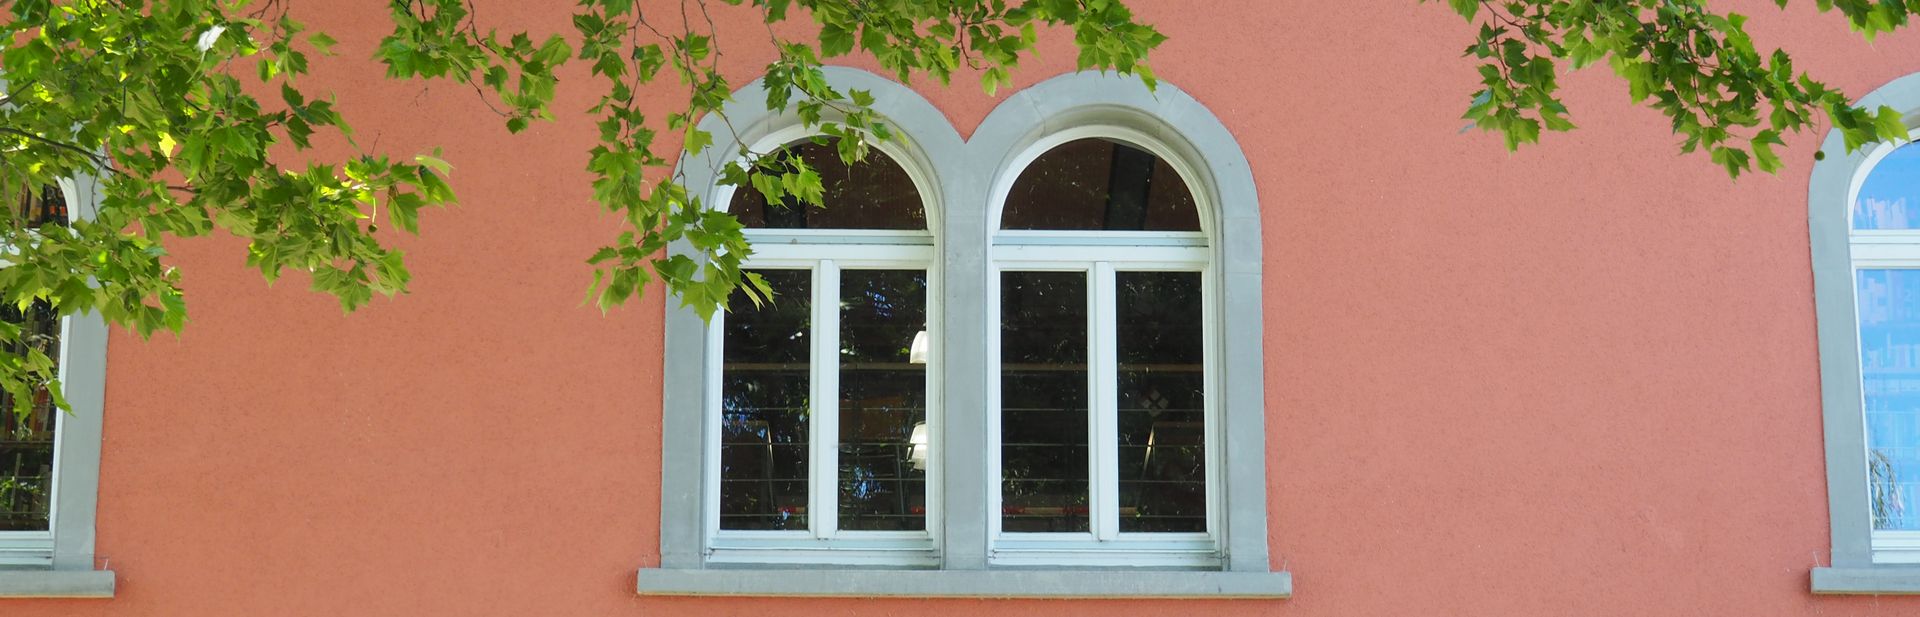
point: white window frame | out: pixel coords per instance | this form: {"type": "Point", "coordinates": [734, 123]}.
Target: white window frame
{"type": "Point", "coordinates": [825, 253]}
{"type": "Point", "coordinates": [59, 562]}
{"type": "Point", "coordinates": [1100, 255]}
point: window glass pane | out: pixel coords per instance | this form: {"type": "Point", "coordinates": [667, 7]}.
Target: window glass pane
{"type": "Point", "coordinates": [764, 406]}
{"type": "Point", "coordinates": [1890, 196]}
{"type": "Point", "coordinates": [1889, 302]}
{"type": "Point", "coordinates": [1044, 400]}
{"type": "Point", "coordinates": [1161, 345]}
{"type": "Point", "coordinates": [26, 440]}
{"type": "Point", "coordinates": [1100, 184]}
{"type": "Point", "coordinates": [876, 193]}
{"type": "Point", "coordinates": [47, 206]}
{"type": "Point", "coordinates": [883, 400]}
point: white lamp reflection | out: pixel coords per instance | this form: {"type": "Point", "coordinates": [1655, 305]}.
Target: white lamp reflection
{"type": "Point", "coordinates": [917, 351]}
{"type": "Point", "coordinates": [917, 453]}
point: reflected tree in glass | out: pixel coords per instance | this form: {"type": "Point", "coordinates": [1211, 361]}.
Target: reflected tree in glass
{"type": "Point", "coordinates": [883, 397]}
{"type": "Point", "coordinates": [764, 406]}
{"type": "Point", "coordinates": [1044, 402]}
{"type": "Point", "coordinates": [26, 440]}
{"type": "Point", "coordinates": [1162, 402]}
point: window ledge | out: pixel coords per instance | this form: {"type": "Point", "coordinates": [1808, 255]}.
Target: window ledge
{"type": "Point", "coordinates": [1871, 580]}
{"type": "Point", "coordinates": [56, 583]}
{"type": "Point", "coordinates": [966, 583]}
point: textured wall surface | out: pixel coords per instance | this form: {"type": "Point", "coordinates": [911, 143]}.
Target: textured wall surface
{"type": "Point", "coordinates": [1576, 380]}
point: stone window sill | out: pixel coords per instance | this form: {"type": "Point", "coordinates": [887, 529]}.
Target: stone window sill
{"type": "Point", "coordinates": [1872, 580]}
{"type": "Point", "coordinates": [966, 583]}
{"type": "Point", "coordinates": [56, 583]}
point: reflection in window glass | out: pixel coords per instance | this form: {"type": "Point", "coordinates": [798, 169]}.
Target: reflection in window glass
{"type": "Point", "coordinates": [883, 398]}
{"type": "Point", "coordinates": [1890, 196]}
{"type": "Point", "coordinates": [764, 407]}
{"type": "Point", "coordinates": [26, 440]}
{"type": "Point", "coordinates": [1044, 401]}
{"type": "Point", "coordinates": [1889, 304]}
{"type": "Point", "coordinates": [875, 193]}
{"type": "Point", "coordinates": [47, 206]}
{"type": "Point", "coordinates": [1161, 345]}
{"type": "Point", "coordinates": [1100, 184]}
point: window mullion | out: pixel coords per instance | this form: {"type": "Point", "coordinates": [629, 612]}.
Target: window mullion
{"type": "Point", "coordinates": [1104, 380]}
{"type": "Point", "coordinates": [824, 468]}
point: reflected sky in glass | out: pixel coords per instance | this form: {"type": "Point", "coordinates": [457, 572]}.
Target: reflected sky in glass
{"type": "Point", "coordinates": [1889, 305]}
{"type": "Point", "coordinates": [1890, 195]}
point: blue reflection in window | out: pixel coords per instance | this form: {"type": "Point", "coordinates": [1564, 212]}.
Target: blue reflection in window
{"type": "Point", "coordinates": [1889, 309]}
{"type": "Point", "coordinates": [1890, 197]}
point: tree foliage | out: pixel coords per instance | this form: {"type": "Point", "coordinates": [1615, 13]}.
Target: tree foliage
{"type": "Point", "coordinates": [1697, 66]}
{"type": "Point", "coordinates": [189, 116]}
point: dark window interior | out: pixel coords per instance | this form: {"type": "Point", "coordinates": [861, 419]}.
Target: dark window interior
{"type": "Point", "coordinates": [1100, 185]}
{"type": "Point", "coordinates": [875, 193]}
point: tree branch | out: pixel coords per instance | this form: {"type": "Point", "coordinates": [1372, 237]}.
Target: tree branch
{"type": "Point", "coordinates": [97, 159]}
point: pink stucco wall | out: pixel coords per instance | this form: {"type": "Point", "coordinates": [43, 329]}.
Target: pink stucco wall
{"type": "Point", "coordinates": [1580, 379]}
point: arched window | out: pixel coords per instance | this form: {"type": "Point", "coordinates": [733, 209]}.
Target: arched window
{"type": "Point", "coordinates": [1864, 217]}
{"type": "Point", "coordinates": [823, 407]}
{"type": "Point", "coordinates": [1037, 349]}
{"type": "Point", "coordinates": [1104, 287]}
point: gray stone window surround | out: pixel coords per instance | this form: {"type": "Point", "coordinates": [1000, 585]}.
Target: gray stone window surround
{"type": "Point", "coordinates": [964, 172]}
{"type": "Point", "coordinates": [69, 566]}
{"type": "Point", "coordinates": [1852, 570]}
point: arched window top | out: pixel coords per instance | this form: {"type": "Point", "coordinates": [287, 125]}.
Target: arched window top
{"type": "Point", "coordinates": [1888, 197]}
{"type": "Point", "coordinates": [1100, 184]}
{"type": "Point", "coordinates": [875, 193]}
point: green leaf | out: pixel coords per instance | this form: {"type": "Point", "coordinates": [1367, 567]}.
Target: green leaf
{"type": "Point", "coordinates": [433, 161]}
{"type": "Point", "coordinates": [698, 140]}
{"type": "Point", "coordinates": [835, 41]}
{"type": "Point", "coordinates": [1466, 8]}
{"type": "Point", "coordinates": [321, 43]}
{"type": "Point", "coordinates": [1889, 124]}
